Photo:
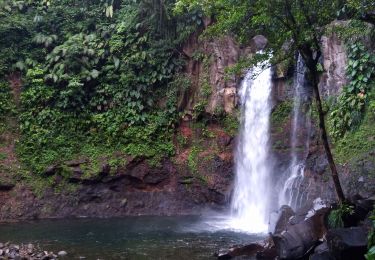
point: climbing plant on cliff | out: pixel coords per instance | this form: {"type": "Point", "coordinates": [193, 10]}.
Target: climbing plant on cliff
{"type": "Point", "coordinates": [98, 76]}
{"type": "Point", "coordinates": [354, 102]}
{"type": "Point", "coordinates": [350, 108]}
{"type": "Point", "coordinates": [290, 26]}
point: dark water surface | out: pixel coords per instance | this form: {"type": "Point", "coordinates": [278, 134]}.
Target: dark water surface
{"type": "Point", "coordinates": [187, 237]}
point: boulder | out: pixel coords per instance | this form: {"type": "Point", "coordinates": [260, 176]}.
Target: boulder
{"type": "Point", "coordinates": [361, 209]}
{"type": "Point", "coordinates": [51, 170]}
{"type": "Point", "coordinates": [347, 243]}
{"type": "Point", "coordinates": [322, 256]}
{"type": "Point", "coordinates": [300, 238]}
{"type": "Point", "coordinates": [76, 162]}
{"type": "Point", "coordinates": [261, 250]}
{"type": "Point", "coordinates": [258, 42]}
{"type": "Point", "coordinates": [280, 219]}
{"type": "Point", "coordinates": [321, 252]}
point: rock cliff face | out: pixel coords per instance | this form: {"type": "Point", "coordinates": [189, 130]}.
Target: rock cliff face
{"type": "Point", "coordinates": [207, 61]}
{"type": "Point", "coordinates": [134, 188]}
{"type": "Point", "coordinates": [334, 63]}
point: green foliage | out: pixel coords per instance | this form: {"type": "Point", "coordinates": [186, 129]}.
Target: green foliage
{"type": "Point", "coordinates": [278, 20]}
{"type": "Point", "coordinates": [230, 16]}
{"type": "Point", "coordinates": [360, 9]}
{"type": "Point", "coordinates": [350, 108]}
{"type": "Point", "coordinates": [371, 253]}
{"type": "Point", "coordinates": [281, 113]}
{"type": "Point", "coordinates": [336, 217]}
{"type": "Point", "coordinates": [193, 159]}
{"type": "Point", "coordinates": [6, 100]}
{"type": "Point", "coordinates": [351, 32]}
{"type": "Point", "coordinates": [99, 77]}
{"type": "Point", "coordinates": [182, 141]}
{"type": "Point", "coordinates": [205, 89]}
{"type": "Point", "coordinates": [358, 142]}
{"type": "Point", "coordinates": [231, 123]}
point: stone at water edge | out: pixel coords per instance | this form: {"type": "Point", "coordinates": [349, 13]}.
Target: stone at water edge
{"type": "Point", "coordinates": [248, 250]}
{"type": "Point", "coordinates": [62, 253]}
{"type": "Point", "coordinates": [264, 249]}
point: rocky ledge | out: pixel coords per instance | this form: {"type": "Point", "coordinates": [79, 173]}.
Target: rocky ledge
{"type": "Point", "coordinates": [27, 252]}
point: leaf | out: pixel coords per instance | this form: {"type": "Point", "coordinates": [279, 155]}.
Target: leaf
{"type": "Point", "coordinates": [94, 74]}
{"type": "Point", "coordinates": [109, 11]}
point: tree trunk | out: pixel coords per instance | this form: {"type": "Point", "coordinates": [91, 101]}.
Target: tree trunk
{"type": "Point", "coordinates": [331, 162]}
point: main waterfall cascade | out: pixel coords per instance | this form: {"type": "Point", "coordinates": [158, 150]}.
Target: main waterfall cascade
{"type": "Point", "coordinates": [250, 201]}
{"type": "Point", "coordinates": [293, 193]}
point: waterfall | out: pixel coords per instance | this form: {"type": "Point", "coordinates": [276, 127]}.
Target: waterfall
{"type": "Point", "coordinates": [292, 193]}
{"type": "Point", "coordinates": [250, 201]}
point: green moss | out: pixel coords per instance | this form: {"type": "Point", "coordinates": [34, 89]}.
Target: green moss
{"type": "Point", "coordinates": [231, 124]}
{"type": "Point", "coordinates": [203, 179]}
{"type": "Point", "coordinates": [193, 159]}
{"type": "Point", "coordinates": [281, 113]}
{"type": "Point", "coordinates": [3, 156]}
{"type": "Point", "coordinates": [117, 162]}
{"type": "Point", "coordinates": [278, 144]}
{"type": "Point", "coordinates": [39, 184]}
{"type": "Point", "coordinates": [182, 140]}
{"type": "Point", "coordinates": [205, 89]}
{"type": "Point", "coordinates": [357, 142]}
{"type": "Point", "coordinates": [66, 171]}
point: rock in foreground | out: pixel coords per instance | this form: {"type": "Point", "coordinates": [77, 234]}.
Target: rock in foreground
{"type": "Point", "coordinates": [27, 252]}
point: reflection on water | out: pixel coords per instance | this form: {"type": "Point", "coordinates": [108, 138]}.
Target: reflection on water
{"type": "Point", "coordinates": [187, 237]}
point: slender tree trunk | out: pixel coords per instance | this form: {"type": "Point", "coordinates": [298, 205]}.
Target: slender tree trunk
{"type": "Point", "coordinates": [331, 162]}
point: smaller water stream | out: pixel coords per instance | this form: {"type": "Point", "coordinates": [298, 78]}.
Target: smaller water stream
{"type": "Point", "coordinates": [293, 193]}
